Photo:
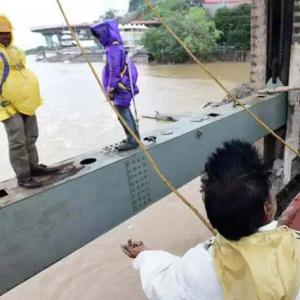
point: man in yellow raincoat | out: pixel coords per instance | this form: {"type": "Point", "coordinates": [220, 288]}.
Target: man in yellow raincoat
{"type": "Point", "coordinates": [19, 100]}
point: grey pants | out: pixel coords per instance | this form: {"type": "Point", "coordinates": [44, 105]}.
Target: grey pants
{"type": "Point", "coordinates": [126, 113]}
{"type": "Point", "coordinates": [22, 133]}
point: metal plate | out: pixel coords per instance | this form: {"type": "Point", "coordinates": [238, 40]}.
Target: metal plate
{"type": "Point", "coordinates": [138, 182]}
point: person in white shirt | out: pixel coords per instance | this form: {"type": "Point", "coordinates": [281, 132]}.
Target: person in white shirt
{"type": "Point", "coordinates": [250, 258]}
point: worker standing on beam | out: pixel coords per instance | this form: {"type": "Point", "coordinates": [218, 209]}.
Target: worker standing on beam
{"type": "Point", "coordinates": [119, 76]}
{"type": "Point", "coordinates": [19, 100]}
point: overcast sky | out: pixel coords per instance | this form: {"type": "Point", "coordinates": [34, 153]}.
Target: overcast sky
{"type": "Point", "coordinates": [25, 14]}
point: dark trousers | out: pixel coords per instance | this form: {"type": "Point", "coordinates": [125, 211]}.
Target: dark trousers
{"type": "Point", "coordinates": [22, 134]}
{"type": "Point", "coordinates": [126, 113]}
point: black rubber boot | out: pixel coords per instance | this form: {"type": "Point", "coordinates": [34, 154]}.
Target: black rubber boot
{"type": "Point", "coordinates": [124, 141]}
{"type": "Point", "coordinates": [42, 170]}
{"type": "Point", "coordinates": [127, 146]}
{"type": "Point", "coordinates": [28, 182]}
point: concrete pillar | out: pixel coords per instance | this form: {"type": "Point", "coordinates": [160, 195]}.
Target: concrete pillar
{"type": "Point", "coordinates": [258, 57]}
{"type": "Point", "coordinates": [59, 39]}
{"type": "Point", "coordinates": [258, 60]}
{"type": "Point", "coordinates": [293, 122]}
{"type": "Point", "coordinates": [49, 41]}
{"type": "Point", "coordinates": [273, 149]}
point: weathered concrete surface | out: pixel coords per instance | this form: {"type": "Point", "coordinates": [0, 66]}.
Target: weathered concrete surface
{"type": "Point", "coordinates": [258, 44]}
{"type": "Point", "coordinates": [293, 119]}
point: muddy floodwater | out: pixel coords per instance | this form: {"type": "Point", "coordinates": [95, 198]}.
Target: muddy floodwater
{"type": "Point", "coordinates": [74, 120]}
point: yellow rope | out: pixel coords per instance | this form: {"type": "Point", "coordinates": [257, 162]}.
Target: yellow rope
{"type": "Point", "coordinates": [153, 164]}
{"type": "Point", "coordinates": [219, 83]}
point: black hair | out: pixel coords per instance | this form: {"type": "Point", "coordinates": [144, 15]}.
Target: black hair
{"type": "Point", "coordinates": [235, 185]}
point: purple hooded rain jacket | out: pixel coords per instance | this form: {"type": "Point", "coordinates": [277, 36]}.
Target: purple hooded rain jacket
{"type": "Point", "coordinates": [115, 73]}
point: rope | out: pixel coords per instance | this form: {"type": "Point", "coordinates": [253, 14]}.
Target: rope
{"type": "Point", "coordinates": [153, 164]}
{"type": "Point", "coordinates": [235, 99]}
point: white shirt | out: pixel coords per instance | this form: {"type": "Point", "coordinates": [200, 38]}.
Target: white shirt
{"type": "Point", "coordinates": [192, 277]}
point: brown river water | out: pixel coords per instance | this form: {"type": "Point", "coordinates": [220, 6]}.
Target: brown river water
{"type": "Point", "coordinates": [74, 120]}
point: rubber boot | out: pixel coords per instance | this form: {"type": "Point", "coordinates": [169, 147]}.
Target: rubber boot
{"type": "Point", "coordinates": [127, 146]}
{"type": "Point", "coordinates": [28, 182]}
{"type": "Point", "coordinates": [42, 170]}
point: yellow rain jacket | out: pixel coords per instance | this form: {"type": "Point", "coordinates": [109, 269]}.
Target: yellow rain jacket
{"type": "Point", "coordinates": [264, 266]}
{"type": "Point", "coordinates": [20, 87]}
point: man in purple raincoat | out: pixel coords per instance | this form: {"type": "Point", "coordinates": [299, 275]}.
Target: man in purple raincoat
{"type": "Point", "coordinates": [119, 76]}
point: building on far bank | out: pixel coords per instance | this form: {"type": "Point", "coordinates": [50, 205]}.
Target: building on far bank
{"type": "Point", "coordinates": [132, 34]}
{"type": "Point", "coordinates": [62, 47]}
{"type": "Point", "coordinates": [213, 5]}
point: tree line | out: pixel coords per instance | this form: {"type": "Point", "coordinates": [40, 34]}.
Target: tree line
{"type": "Point", "coordinates": [200, 31]}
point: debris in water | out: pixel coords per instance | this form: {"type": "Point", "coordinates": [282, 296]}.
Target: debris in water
{"type": "Point", "coordinates": [241, 91]}
{"type": "Point", "coordinates": [161, 117]}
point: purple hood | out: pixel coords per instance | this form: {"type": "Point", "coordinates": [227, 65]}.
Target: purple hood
{"type": "Point", "coordinates": [107, 32]}
{"type": "Point", "coordinates": [115, 76]}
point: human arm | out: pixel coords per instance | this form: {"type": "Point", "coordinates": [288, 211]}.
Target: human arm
{"type": "Point", "coordinates": [157, 271]}
{"type": "Point", "coordinates": [4, 71]}
{"type": "Point", "coordinates": [291, 216]}
{"type": "Point", "coordinates": [168, 277]}
{"type": "Point", "coordinates": [114, 63]}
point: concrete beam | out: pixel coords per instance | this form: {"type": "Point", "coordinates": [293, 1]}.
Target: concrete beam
{"type": "Point", "coordinates": [39, 227]}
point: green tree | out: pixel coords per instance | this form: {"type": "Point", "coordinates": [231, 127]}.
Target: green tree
{"type": "Point", "coordinates": [138, 10]}
{"type": "Point", "coordinates": [109, 14]}
{"type": "Point", "coordinates": [195, 3]}
{"type": "Point", "coordinates": [162, 47]}
{"type": "Point", "coordinates": [171, 7]}
{"type": "Point", "coordinates": [235, 25]}
{"type": "Point", "coordinates": [192, 24]}
{"type": "Point", "coordinates": [134, 5]}
{"type": "Point", "coordinates": [200, 33]}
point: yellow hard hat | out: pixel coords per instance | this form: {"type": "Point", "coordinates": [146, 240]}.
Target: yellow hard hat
{"type": "Point", "coordinates": [5, 24]}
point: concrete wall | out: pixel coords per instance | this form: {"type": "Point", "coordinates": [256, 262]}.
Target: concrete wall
{"type": "Point", "coordinates": [293, 121]}
{"type": "Point", "coordinates": [258, 58]}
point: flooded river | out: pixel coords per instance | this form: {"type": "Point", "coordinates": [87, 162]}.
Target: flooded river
{"type": "Point", "coordinates": [75, 118]}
